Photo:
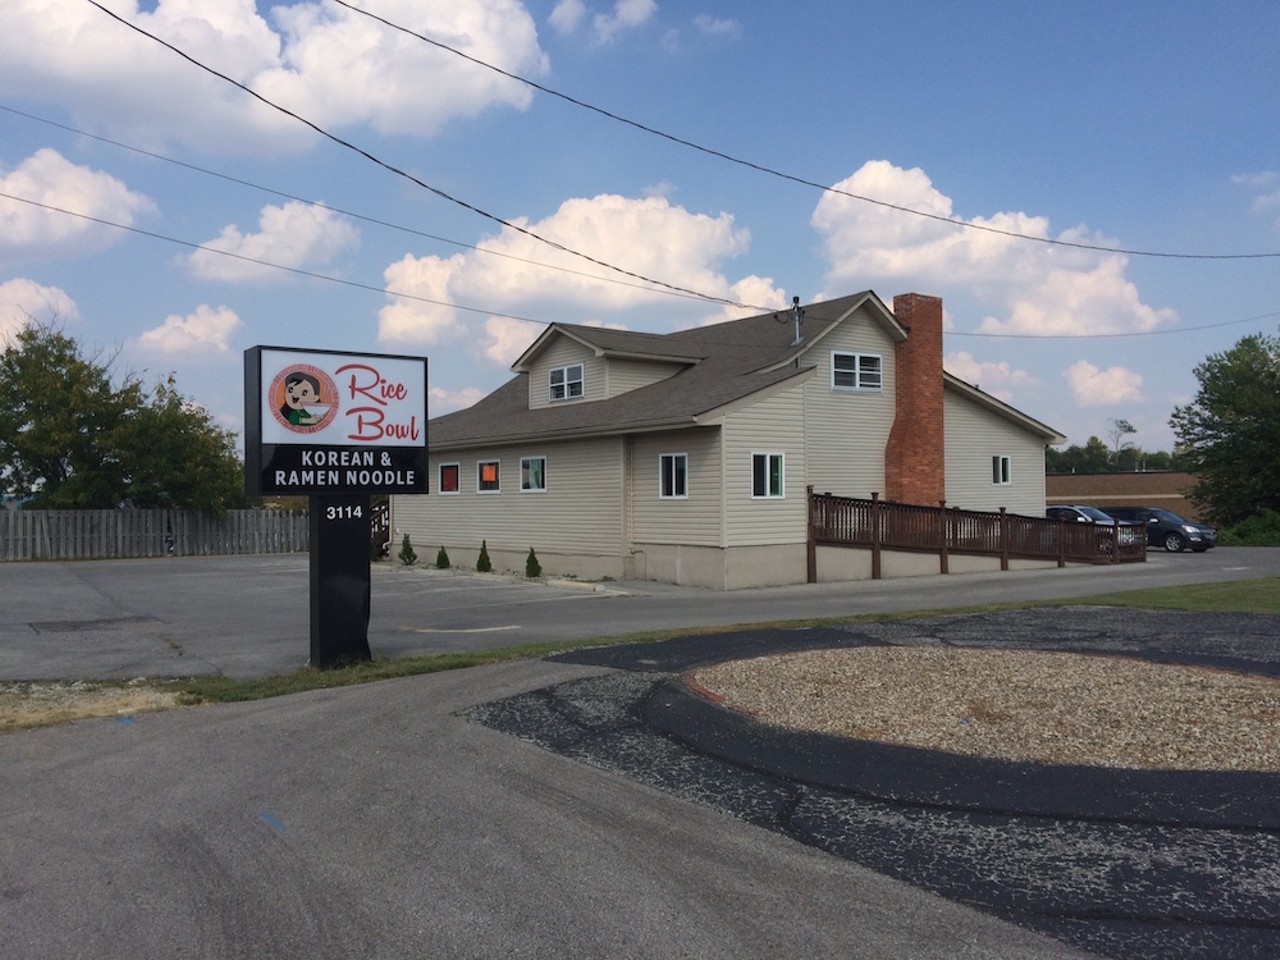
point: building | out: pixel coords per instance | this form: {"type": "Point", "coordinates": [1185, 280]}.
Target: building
{"type": "Point", "coordinates": [687, 457]}
{"type": "Point", "coordinates": [1166, 489]}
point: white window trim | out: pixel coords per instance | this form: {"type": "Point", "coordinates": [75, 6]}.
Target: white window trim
{"type": "Point", "coordinates": [523, 462]}
{"type": "Point", "coordinates": [857, 386]}
{"type": "Point", "coordinates": [480, 490]}
{"type": "Point", "coordinates": [662, 457]}
{"type": "Point", "coordinates": [440, 485]}
{"type": "Point", "coordinates": [568, 395]}
{"type": "Point", "coordinates": [782, 475]}
{"type": "Point", "coordinates": [1002, 470]}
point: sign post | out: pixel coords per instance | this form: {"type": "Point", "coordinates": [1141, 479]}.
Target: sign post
{"type": "Point", "coordinates": [337, 428]}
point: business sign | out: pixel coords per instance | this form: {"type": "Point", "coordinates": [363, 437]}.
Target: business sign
{"type": "Point", "coordinates": [319, 422]}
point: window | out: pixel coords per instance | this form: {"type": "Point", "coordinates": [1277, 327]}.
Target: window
{"type": "Point", "coordinates": [767, 475]}
{"type": "Point", "coordinates": [856, 371]}
{"type": "Point", "coordinates": [449, 478]}
{"type": "Point", "coordinates": [566, 382]}
{"type": "Point", "coordinates": [673, 476]}
{"type": "Point", "coordinates": [1001, 470]}
{"type": "Point", "coordinates": [533, 474]}
{"type": "Point", "coordinates": [487, 476]}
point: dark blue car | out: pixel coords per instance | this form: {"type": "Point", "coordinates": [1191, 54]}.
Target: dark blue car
{"type": "Point", "coordinates": [1166, 529]}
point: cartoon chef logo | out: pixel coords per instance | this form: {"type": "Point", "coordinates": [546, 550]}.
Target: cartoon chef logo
{"type": "Point", "coordinates": [303, 398]}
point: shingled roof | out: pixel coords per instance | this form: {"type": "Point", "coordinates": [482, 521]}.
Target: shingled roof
{"type": "Point", "coordinates": [726, 362]}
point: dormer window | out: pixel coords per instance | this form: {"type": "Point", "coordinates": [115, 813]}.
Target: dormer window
{"type": "Point", "coordinates": [566, 382]}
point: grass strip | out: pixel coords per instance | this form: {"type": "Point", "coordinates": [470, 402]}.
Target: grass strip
{"type": "Point", "coordinates": [1235, 596]}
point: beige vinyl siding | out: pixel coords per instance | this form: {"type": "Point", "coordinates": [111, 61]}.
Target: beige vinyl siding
{"type": "Point", "coordinates": [580, 512]}
{"type": "Point", "coordinates": [847, 431]}
{"type": "Point", "coordinates": [695, 519]}
{"type": "Point", "coordinates": [561, 352]}
{"type": "Point", "coordinates": [974, 436]}
{"type": "Point", "coordinates": [622, 376]}
{"type": "Point", "coordinates": [774, 425]}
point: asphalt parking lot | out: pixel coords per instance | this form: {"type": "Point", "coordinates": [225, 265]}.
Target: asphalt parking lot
{"type": "Point", "coordinates": [248, 616]}
{"type": "Point", "coordinates": [586, 805]}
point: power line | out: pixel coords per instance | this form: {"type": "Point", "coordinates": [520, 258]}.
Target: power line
{"type": "Point", "coordinates": [348, 213]}
{"type": "Point", "coordinates": [412, 179]}
{"type": "Point", "coordinates": [297, 271]}
{"type": "Point", "coordinates": [793, 178]}
{"type": "Point", "coordinates": [1112, 336]}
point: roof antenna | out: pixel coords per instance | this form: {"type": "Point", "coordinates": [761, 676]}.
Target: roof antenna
{"type": "Point", "coordinates": [797, 315]}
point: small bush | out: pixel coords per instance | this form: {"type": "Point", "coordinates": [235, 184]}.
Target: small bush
{"type": "Point", "coordinates": [407, 554]}
{"type": "Point", "coordinates": [483, 565]}
{"type": "Point", "coordinates": [532, 568]}
{"type": "Point", "coordinates": [1260, 530]}
{"type": "Point", "coordinates": [442, 559]}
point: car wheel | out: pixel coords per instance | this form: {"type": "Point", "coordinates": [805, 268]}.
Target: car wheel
{"type": "Point", "coordinates": [1174, 543]}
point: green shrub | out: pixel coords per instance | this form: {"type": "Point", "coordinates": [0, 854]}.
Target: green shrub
{"type": "Point", "coordinates": [532, 568]}
{"type": "Point", "coordinates": [482, 564]}
{"type": "Point", "coordinates": [407, 555]}
{"type": "Point", "coordinates": [1260, 530]}
{"type": "Point", "coordinates": [442, 559]}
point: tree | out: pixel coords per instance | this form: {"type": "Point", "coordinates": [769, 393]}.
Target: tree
{"type": "Point", "coordinates": [71, 438]}
{"type": "Point", "coordinates": [176, 456]}
{"type": "Point", "coordinates": [1093, 457]}
{"type": "Point", "coordinates": [1119, 429]}
{"type": "Point", "coordinates": [1229, 434]}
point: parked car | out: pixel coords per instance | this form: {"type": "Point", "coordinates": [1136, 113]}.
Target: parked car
{"type": "Point", "coordinates": [1080, 513]}
{"type": "Point", "coordinates": [1167, 529]}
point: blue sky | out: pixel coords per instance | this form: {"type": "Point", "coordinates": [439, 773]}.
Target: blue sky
{"type": "Point", "coordinates": [1134, 126]}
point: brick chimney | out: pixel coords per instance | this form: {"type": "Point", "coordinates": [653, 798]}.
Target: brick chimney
{"type": "Point", "coordinates": [914, 457]}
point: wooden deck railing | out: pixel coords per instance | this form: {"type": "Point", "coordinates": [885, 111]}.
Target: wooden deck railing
{"type": "Point", "coordinates": [881, 525]}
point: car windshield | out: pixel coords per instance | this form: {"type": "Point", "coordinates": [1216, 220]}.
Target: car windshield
{"type": "Point", "coordinates": [1168, 516]}
{"type": "Point", "coordinates": [1093, 513]}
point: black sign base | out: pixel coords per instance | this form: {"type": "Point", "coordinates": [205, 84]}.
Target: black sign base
{"type": "Point", "coordinates": [340, 580]}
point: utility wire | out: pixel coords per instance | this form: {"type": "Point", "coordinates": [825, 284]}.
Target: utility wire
{"type": "Point", "coordinates": [297, 271]}
{"type": "Point", "coordinates": [411, 178]}
{"type": "Point", "coordinates": [263, 263]}
{"type": "Point", "coordinates": [533, 84]}
{"type": "Point", "coordinates": [348, 213]}
{"type": "Point", "coordinates": [1111, 336]}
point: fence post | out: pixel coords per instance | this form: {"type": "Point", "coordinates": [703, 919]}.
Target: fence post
{"type": "Point", "coordinates": [811, 548]}
{"type": "Point", "coordinates": [1004, 538]}
{"type": "Point", "coordinates": [875, 535]}
{"type": "Point", "coordinates": [942, 524]}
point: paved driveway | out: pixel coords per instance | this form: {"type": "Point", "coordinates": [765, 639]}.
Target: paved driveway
{"type": "Point", "coordinates": [432, 816]}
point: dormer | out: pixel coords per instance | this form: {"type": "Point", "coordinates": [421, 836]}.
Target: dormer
{"type": "Point", "coordinates": [576, 364]}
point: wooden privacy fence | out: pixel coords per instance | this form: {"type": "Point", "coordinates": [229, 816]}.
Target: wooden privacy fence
{"type": "Point", "coordinates": [880, 525]}
{"type": "Point", "coordinates": [99, 534]}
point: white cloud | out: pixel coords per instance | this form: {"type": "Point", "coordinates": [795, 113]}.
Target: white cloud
{"type": "Point", "coordinates": [627, 15]}
{"type": "Point", "coordinates": [198, 334]}
{"type": "Point", "coordinates": [47, 177]}
{"type": "Point", "coordinates": [717, 27]}
{"type": "Point", "coordinates": [296, 235]}
{"type": "Point", "coordinates": [649, 236]}
{"type": "Point", "coordinates": [346, 69]}
{"type": "Point", "coordinates": [998, 378]}
{"type": "Point", "coordinates": [507, 338]}
{"type": "Point", "coordinates": [332, 65]}
{"type": "Point", "coordinates": [446, 401]}
{"type": "Point", "coordinates": [1031, 287]}
{"type": "Point", "coordinates": [23, 301]}
{"type": "Point", "coordinates": [1093, 387]}
{"type": "Point", "coordinates": [567, 15]}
